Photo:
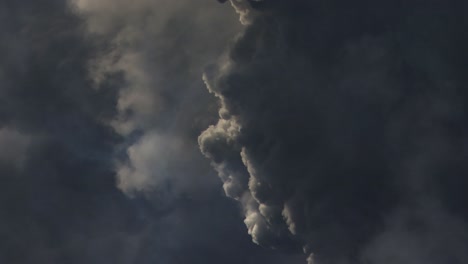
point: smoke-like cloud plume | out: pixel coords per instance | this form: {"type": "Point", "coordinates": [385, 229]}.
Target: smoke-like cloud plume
{"type": "Point", "coordinates": [158, 48]}
{"type": "Point", "coordinates": [155, 52]}
{"type": "Point", "coordinates": [342, 128]}
{"type": "Point", "coordinates": [101, 95]}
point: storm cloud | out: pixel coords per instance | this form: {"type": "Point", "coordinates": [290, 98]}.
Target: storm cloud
{"type": "Point", "coordinates": [342, 128]}
{"type": "Point", "coordinates": [337, 129]}
{"type": "Point", "coordinates": [101, 104]}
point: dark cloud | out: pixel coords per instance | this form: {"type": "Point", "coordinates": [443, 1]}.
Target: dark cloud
{"type": "Point", "coordinates": [59, 200]}
{"type": "Point", "coordinates": [342, 128]}
{"type": "Point", "coordinates": [341, 132]}
{"type": "Point", "coordinates": [86, 93]}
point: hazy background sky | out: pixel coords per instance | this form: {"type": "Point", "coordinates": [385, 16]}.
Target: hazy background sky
{"type": "Point", "coordinates": [189, 131]}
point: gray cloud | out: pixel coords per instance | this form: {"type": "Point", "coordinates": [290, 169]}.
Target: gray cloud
{"type": "Point", "coordinates": [91, 90]}
{"type": "Point", "coordinates": [341, 132]}
{"type": "Point", "coordinates": [160, 54]}
{"type": "Point", "coordinates": [342, 129]}
{"type": "Point", "coordinates": [14, 147]}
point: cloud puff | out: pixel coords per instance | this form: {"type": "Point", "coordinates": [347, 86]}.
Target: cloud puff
{"type": "Point", "coordinates": [159, 54]}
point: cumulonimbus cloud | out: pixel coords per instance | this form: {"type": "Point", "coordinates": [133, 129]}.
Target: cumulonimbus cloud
{"type": "Point", "coordinates": [342, 129]}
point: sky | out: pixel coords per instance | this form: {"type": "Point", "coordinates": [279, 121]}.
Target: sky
{"type": "Point", "coordinates": [237, 132]}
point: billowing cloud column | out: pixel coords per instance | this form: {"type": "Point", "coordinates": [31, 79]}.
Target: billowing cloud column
{"type": "Point", "coordinates": [342, 128]}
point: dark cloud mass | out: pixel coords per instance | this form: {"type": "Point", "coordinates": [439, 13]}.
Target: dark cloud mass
{"type": "Point", "coordinates": [341, 132]}
{"type": "Point", "coordinates": [342, 128]}
{"type": "Point", "coordinates": [91, 90]}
